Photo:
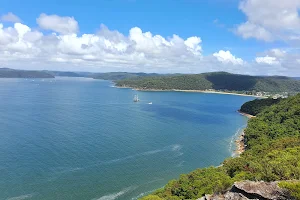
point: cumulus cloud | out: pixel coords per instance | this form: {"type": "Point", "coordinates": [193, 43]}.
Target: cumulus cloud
{"type": "Point", "coordinates": [63, 25]}
{"type": "Point", "coordinates": [249, 30]}
{"type": "Point", "coordinates": [277, 53]}
{"type": "Point", "coordinates": [61, 48]}
{"type": "Point", "coordinates": [267, 60]}
{"type": "Point", "coordinates": [106, 48]}
{"type": "Point", "coordinates": [227, 57]}
{"type": "Point", "coordinates": [270, 20]}
{"type": "Point", "coordinates": [10, 17]}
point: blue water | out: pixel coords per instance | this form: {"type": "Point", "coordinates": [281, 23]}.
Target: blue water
{"type": "Point", "coordinates": [76, 138]}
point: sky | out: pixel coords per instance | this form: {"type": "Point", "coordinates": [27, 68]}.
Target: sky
{"type": "Point", "coordinates": [257, 37]}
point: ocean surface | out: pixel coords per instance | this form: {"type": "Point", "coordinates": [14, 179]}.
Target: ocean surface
{"type": "Point", "coordinates": [83, 139]}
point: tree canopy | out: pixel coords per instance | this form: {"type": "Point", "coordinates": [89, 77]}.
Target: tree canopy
{"type": "Point", "coordinates": [216, 80]}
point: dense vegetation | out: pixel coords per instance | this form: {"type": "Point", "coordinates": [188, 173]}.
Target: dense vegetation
{"type": "Point", "coordinates": [292, 186]}
{"type": "Point", "coordinates": [12, 73]}
{"type": "Point", "coordinates": [66, 74]}
{"type": "Point", "coordinates": [217, 81]}
{"type": "Point", "coordinates": [273, 153]}
{"type": "Point", "coordinates": [122, 75]}
{"type": "Point", "coordinates": [256, 106]}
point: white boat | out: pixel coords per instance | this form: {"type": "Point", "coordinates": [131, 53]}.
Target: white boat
{"type": "Point", "coordinates": [136, 98]}
{"type": "Point", "coordinates": [150, 103]}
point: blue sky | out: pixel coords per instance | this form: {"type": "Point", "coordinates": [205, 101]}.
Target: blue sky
{"type": "Point", "coordinates": [222, 25]}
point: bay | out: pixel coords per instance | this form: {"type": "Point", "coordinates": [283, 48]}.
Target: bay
{"type": "Point", "coordinates": [79, 138]}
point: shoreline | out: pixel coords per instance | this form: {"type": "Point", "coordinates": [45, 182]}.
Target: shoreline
{"type": "Point", "coordinates": [195, 91]}
{"type": "Point", "coordinates": [240, 144]}
{"type": "Point", "coordinates": [246, 115]}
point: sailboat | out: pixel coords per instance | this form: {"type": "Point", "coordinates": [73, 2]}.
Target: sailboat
{"type": "Point", "coordinates": [136, 98]}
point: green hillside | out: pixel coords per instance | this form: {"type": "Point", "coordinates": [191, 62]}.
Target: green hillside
{"type": "Point", "coordinates": [258, 105]}
{"type": "Point", "coordinates": [122, 75]}
{"type": "Point", "coordinates": [272, 154]}
{"type": "Point", "coordinates": [216, 81]}
{"type": "Point", "coordinates": [65, 74]}
{"type": "Point", "coordinates": [13, 73]}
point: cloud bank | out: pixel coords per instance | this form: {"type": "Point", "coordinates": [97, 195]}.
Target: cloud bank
{"type": "Point", "coordinates": [57, 45]}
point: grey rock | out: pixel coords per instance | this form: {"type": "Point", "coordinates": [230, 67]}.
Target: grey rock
{"type": "Point", "coordinates": [234, 196]}
{"type": "Point", "coordinates": [259, 190]}
{"type": "Point", "coordinates": [247, 190]}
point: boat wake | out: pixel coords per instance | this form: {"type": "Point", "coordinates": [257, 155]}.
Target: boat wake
{"type": "Point", "coordinates": [176, 147]}
{"type": "Point", "coordinates": [25, 196]}
{"type": "Point", "coordinates": [115, 195]}
{"type": "Point", "coordinates": [173, 148]}
{"type": "Point", "coordinates": [142, 194]}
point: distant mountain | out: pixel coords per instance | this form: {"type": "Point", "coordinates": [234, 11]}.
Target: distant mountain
{"type": "Point", "coordinates": [122, 75]}
{"type": "Point", "coordinates": [217, 81]}
{"type": "Point", "coordinates": [67, 74]}
{"type": "Point", "coordinates": [14, 73]}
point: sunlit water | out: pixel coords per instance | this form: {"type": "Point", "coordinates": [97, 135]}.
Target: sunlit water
{"type": "Point", "coordinates": [76, 138]}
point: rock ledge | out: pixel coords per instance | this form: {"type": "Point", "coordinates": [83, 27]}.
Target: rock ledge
{"type": "Point", "coordinates": [252, 190]}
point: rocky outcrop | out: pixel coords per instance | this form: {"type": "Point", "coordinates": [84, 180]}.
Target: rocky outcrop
{"type": "Point", "coordinates": [252, 190]}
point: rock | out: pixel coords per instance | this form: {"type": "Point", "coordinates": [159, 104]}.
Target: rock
{"type": "Point", "coordinates": [259, 190]}
{"type": "Point", "coordinates": [234, 196]}
{"type": "Point", "coordinates": [246, 190]}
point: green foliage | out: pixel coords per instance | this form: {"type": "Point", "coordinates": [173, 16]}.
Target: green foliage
{"type": "Point", "coordinates": [217, 80]}
{"type": "Point", "coordinates": [273, 153]}
{"type": "Point", "coordinates": [121, 75]}
{"type": "Point", "coordinates": [13, 73]}
{"type": "Point", "coordinates": [292, 186]}
{"type": "Point", "coordinates": [197, 183]}
{"type": "Point", "coordinates": [258, 105]}
{"type": "Point", "coordinates": [180, 82]}
{"type": "Point", "coordinates": [151, 197]}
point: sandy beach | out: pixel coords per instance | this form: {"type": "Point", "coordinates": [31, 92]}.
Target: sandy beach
{"type": "Point", "coordinates": [199, 91]}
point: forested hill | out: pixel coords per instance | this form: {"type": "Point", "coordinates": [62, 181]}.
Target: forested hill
{"type": "Point", "coordinates": [122, 75]}
{"type": "Point", "coordinates": [272, 154]}
{"type": "Point", "coordinates": [258, 105]}
{"type": "Point", "coordinates": [13, 73]}
{"type": "Point", "coordinates": [216, 81]}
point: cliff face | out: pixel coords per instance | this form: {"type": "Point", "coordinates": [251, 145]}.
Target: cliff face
{"type": "Point", "coordinates": [252, 190]}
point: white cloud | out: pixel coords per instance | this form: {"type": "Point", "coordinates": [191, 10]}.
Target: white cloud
{"type": "Point", "coordinates": [227, 57]}
{"type": "Point", "coordinates": [61, 48]}
{"type": "Point", "coordinates": [267, 60]}
{"type": "Point", "coordinates": [137, 51]}
{"type": "Point", "coordinates": [10, 17]}
{"type": "Point", "coordinates": [277, 53]}
{"type": "Point", "coordinates": [63, 25]}
{"type": "Point", "coordinates": [249, 30]}
{"type": "Point", "coordinates": [270, 20]}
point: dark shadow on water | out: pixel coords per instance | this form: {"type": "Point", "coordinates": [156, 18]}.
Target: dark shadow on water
{"type": "Point", "coordinates": [214, 109]}
{"type": "Point", "coordinates": [184, 115]}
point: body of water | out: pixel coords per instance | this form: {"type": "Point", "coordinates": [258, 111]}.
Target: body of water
{"type": "Point", "coordinates": [82, 139]}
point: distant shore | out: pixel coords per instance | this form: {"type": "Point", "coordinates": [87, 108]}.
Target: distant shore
{"type": "Point", "coordinates": [199, 91]}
